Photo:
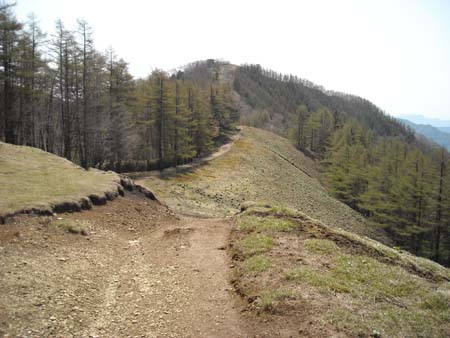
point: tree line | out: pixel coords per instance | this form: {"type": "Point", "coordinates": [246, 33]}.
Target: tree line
{"type": "Point", "coordinates": [395, 184]}
{"type": "Point", "coordinates": [60, 94]}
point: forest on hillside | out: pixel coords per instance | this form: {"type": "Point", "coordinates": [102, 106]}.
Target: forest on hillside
{"type": "Point", "coordinates": [370, 161]}
{"type": "Point", "coordinates": [60, 94]}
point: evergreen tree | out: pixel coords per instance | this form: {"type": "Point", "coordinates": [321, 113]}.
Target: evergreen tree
{"type": "Point", "coordinates": [9, 38]}
{"type": "Point", "coordinates": [182, 141]}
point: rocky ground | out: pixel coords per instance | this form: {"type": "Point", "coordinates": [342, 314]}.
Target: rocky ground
{"type": "Point", "coordinates": [140, 271]}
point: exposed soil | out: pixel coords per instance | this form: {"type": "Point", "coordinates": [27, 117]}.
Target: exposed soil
{"type": "Point", "coordinates": [141, 272]}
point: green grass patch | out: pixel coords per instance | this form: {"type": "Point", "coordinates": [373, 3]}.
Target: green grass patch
{"type": "Point", "coordinates": [385, 298]}
{"type": "Point", "coordinates": [390, 321]}
{"type": "Point", "coordinates": [363, 277]}
{"type": "Point", "coordinates": [254, 223]}
{"type": "Point", "coordinates": [255, 245]}
{"type": "Point", "coordinates": [255, 265]}
{"type": "Point", "coordinates": [366, 277]}
{"type": "Point", "coordinates": [72, 226]}
{"type": "Point", "coordinates": [321, 246]}
{"type": "Point", "coordinates": [312, 277]}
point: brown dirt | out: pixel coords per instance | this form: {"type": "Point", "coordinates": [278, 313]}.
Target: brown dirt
{"type": "Point", "coordinates": [141, 272]}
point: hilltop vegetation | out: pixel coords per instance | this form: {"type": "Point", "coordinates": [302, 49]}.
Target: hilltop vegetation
{"type": "Point", "coordinates": [260, 166]}
{"type": "Point", "coordinates": [291, 266]}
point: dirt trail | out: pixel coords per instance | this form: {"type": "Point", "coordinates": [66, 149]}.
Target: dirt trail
{"type": "Point", "coordinates": [141, 272]}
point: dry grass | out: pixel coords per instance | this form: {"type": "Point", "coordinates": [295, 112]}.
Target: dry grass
{"type": "Point", "coordinates": [73, 226]}
{"type": "Point", "coordinates": [31, 178]}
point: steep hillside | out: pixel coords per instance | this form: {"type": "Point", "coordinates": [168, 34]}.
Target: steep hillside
{"type": "Point", "coordinates": [305, 279]}
{"type": "Point", "coordinates": [260, 166]}
{"type": "Point", "coordinates": [433, 133]}
{"type": "Point", "coordinates": [34, 180]}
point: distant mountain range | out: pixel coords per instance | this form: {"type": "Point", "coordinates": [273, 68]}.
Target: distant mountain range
{"type": "Point", "coordinates": [440, 135]}
{"type": "Point", "coordinates": [420, 119]}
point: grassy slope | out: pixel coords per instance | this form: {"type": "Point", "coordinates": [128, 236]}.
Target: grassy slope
{"type": "Point", "coordinates": [260, 166]}
{"type": "Point", "coordinates": [32, 178]}
{"type": "Point", "coordinates": [304, 277]}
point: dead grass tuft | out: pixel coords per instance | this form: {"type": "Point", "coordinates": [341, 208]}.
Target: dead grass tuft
{"type": "Point", "coordinates": [73, 226]}
{"type": "Point", "coordinates": [273, 300]}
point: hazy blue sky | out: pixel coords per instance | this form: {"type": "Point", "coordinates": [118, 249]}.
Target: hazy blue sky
{"type": "Point", "coordinates": [395, 53]}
